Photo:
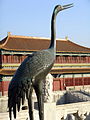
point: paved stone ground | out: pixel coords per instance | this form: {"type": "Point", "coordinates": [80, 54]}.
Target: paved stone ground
{"type": "Point", "coordinates": [22, 115]}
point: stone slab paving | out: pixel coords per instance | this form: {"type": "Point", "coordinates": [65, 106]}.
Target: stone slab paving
{"type": "Point", "coordinates": [22, 115]}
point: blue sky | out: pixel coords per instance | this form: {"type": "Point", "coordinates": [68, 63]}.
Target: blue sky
{"type": "Point", "coordinates": [33, 18]}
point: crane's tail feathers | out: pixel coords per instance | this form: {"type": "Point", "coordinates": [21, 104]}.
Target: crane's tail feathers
{"type": "Point", "coordinates": [10, 114]}
{"type": "Point", "coordinates": [12, 107]}
{"type": "Point", "coordinates": [14, 111]}
{"type": "Point", "coordinates": [18, 103]}
{"type": "Point", "coordinates": [14, 101]}
{"type": "Point", "coordinates": [23, 97]}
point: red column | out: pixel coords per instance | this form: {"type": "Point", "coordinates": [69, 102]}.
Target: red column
{"type": "Point", "coordinates": [69, 59]}
{"type": "Point", "coordinates": [2, 88]}
{"type": "Point", "coordinates": [83, 81]}
{"type": "Point", "coordinates": [5, 59]}
{"type": "Point", "coordinates": [59, 59]}
{"type": "Point", "coordinates": [86, 59]}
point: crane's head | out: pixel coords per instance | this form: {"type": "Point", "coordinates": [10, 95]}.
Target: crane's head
{"type": "Point", "coordinates": [60, 8]}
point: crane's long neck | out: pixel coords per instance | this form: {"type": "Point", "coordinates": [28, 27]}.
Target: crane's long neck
{"type": "Point", "coordinates": [53, 32]}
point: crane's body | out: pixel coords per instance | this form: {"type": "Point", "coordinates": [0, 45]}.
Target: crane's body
{"type": "Point", "coordinates": [32, 66]}
{"type": "Point", "coordinates": [31, 73]}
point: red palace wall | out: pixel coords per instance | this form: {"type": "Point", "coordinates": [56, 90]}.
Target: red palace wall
{"type": "Point", "coordinates": [59, 59]}
{"type": "Point", "coordinates": [13, 58]}
{"type": "Point", "coordinates": [62, 83]}
{"type": "Point", "coordinates": [58, 83]}
{"type": "Point", "coordinates": [72, 59]}
{"type": "Point", "coordinates": [4, 87]}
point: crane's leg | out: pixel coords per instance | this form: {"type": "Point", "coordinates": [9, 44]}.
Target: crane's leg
{"type": "Point", "coordinates": [38, 90]}
{"type": "Point", "coordinates": [30, 104]}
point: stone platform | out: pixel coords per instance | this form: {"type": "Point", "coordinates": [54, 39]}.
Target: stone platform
{"type": "Point", "coordinates": [22, 115]}
{"type": "Point", "coordinates": [74, 104]}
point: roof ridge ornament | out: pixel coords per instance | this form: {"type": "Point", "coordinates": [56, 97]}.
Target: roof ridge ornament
{"type": "Point", "coordinates": [66, 38]}
{"type": "Point", "coordinates": [8, 33]}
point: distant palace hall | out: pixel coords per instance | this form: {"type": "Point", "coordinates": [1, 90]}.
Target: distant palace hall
{"type": "Point", "coordinates": [71, 69]}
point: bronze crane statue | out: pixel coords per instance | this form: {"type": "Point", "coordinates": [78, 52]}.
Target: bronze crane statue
{"type": "Point", "coordinates": [32, 72]}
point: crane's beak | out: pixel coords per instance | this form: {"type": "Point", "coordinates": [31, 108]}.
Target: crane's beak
{"type": "Point", "coordinates": [67, 6]}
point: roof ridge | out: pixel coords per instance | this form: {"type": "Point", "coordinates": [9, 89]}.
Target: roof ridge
{"type": "Point", "coordinates": [7, 38]}
{"type": "Point", "coordinates": [70, 45]}
{"type": "Point", "coordinates": [79, 45]}
{"type": "Point", "coordinates": [28, 37]}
